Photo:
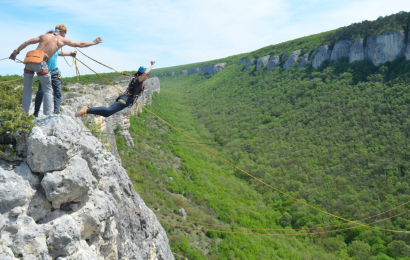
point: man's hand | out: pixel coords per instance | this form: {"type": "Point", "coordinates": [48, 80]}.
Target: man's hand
{"type": "Point", "coordinates": [152, 62]}
{"type": "Point", "coordinates": [13, 55]}
{"type": "Point", "coordinates": [73, 54]}
{"type": "Point", "coordinates": [98, 40]}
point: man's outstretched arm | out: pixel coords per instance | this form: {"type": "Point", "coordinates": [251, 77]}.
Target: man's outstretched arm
{"type": "Point", "coordinates": [24, 45]}
{"type": "Point", "coordinates": [82, 44]}
{"type": "Point", "coordinates": [144, 75]}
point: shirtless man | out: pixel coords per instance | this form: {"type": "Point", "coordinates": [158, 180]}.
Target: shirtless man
{"type": "Point", "coordinates": [36, 61]}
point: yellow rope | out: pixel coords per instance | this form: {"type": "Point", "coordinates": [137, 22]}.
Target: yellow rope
{"type": "Point", "coordinates": [250, 175]}
{"type": "Point", "coordinates": [10, 80]}
{"type": "Point", "coordinates": [77, 71]}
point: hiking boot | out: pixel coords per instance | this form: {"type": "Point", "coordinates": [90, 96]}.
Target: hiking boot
{"type": "Point", "coordinates": [82, 112]}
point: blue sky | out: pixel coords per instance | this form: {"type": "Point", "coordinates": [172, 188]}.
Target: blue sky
{"type": "Point", "coordinates": [174, 32]}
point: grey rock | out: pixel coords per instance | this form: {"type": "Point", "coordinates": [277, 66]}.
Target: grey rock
{"type": "Point", "coordinates": [171, 74]}
{"type": "Point", "coordinates": [6, 253]}
{"type": "Point", "coordinates": [182, 212]}
{"type": "Point", "coordinates": [70, 184]}
{"type": "Point", "coordinates": [14, 191]}
{"type": "Point", "coordinates": [357, 51]}
{"type": "Point", "coordinates": [184, 71]}
{"type": "Point", "coordinates": [249, 63]}
{"type": "Point", "coordinates": [160, 75]}
{"type": "Point", "coordinates": [293, 57]}
{"type": "Point", "coordinates": [322, 55]}
{"type": "Point", "coordinates": [273, 61]}
{"type": "Point", "coordinates": [193, 71]}
{"type": "Point", "coordinates": [304, 61]}
{"type": "Point", "coordinates": [64, 237]}
{"type": "Point", "coordinates": [283, 56]}
{"type": "Point", "coordinates": [262, 61]}
{"type": "Point", "coordinates": [213, 69]}
{"type": "Point", "coordinates": [341, 49]}
{"type": "Point", "coordinates": [241, 61]}
{"type": "Point", "coordinates": [60, 152]}
{"type": "Point", "coordinates": [386, 47]}
{"type": "Point", "coordinates": [110, 186]}
{"type": "Point", "coordinates": [408, 48]}
{"type": "Point", "coordinates": [313, 53]}
{"type": "Point", "coordinates": [171, 179]}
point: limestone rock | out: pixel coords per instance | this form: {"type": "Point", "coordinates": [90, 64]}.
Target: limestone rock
{"type": "Point", "coordinates": [341, 49]}
{"type": "Point", "coordinates": [14, 191]}
{"type": "Point", "coordinates": [64, 237]}
{"type": "Point", "coordinates": [262, 61]}
{"type": "Point", "coordinates": [322, 55]}
{"type": "Point", "coordinates": [312, 54]}
{"type": "Point", "coordinates": [357, 51]}
{"type": "Point", "coordinates": [6, 253]}
{"type": "Point", "coordinates": [304, 61]}
{"type": "Point", "coordinates": [283, 56]}
{"type": "Point", "coordinates": [193, 71]}
{"type": "Point", "coordinates": [241, 61]}
{"type": "Point", "coordinates": [386, 47]}
{"type": "Point", "coordinates": [182, 212]}
{"type": "Point", "coordinates": [213, 69]}
{"type": "Point", "coordinates": [184, 71]}
{"type": "Point", "coordinates": [293, 57]}
{"type": "Point", "coordinates": [110, 186]}
{"type": "Point", "coordinates": [249, 63]}
{"type": "Point", "coordinates": [70, 184]}
{"type": "Point", "coordinates": [61, 152]}
{"type": "Point", "coordinates": [273, 61]}
{"type": "Point", "coordinates": [171, 74]}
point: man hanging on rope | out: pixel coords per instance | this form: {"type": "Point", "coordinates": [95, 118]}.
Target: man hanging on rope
{"type": "Point", "coordinates": [55, 82]}
{"type": "Point", "coordinates": [135, 87]}
{"type": "Point", "coordinates": [36, 61]}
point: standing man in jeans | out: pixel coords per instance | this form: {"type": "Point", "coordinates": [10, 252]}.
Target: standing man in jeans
{"type": "Point", "coordinates": [55, 82]}
{"type": "Point", "coordinates": [36, 61]}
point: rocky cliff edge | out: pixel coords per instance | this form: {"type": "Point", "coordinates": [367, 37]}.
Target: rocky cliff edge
{"type": "Point", "coordinates": [69, 198]}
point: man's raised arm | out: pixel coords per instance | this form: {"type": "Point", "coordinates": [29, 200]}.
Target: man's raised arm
{"type": "Point", "coordinates": [82, 44]}
{"type": "Point", "coordinates": [24, 45]}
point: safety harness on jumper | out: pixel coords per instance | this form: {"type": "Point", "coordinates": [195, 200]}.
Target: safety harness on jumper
{"type": "Point", "coordinates": [134, 90]}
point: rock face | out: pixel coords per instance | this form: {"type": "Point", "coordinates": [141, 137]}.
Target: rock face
{"type": "Point", "coordinates": [386, 47]}
{"type": "Point", "coordinates": [84, 207]}
{"type": "Point", "coordinates": [241, 61]}
{"type": "Point", "coordinates": [171, 74]}
{"type": "Point", "coordinates": [341, 49]}
{"type": "Point", "coordinates": [193, 71]}
{"type": "Point", "coordinates": [212, 69]}
{"type": "Point", "coordinates": [262, 62]}
{"type": "Point", "coordinates": [408, 48]}
{"type": "Point", "coordinates": [249, 63]}
{"type": "Point", "coordinates": [322, 55]}
{"type": "Point", "coordinates": [304, 61]}
{"type": "Point", "coordinates": [184, 71]}
{"type": "Point", "coordinates": [273, 61]}
{"type": "Point", "coordinates": [357, 51]}
{"type": "Point", "coordinates": [293, 57]}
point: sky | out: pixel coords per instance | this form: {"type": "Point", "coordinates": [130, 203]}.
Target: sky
{"type": "Point", "coordinates": [174, 32]}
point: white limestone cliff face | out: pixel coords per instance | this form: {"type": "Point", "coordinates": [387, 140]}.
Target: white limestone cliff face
{"type": "Point", "coordinates": [249, 63]}
{"type": "Point", "coordinates": [293, 57]}
{"type": "Point", "coordinates": [386, 47]}
{"type": "Point", "coordinates": [322, 55]}
{"type": "Point", "coordinates": [357, 51]}
{"type": "Point", "coordinates": [262, 62]}
{"type": "Point", "coordinates": [78, 205]}
{"type": "Point", "coordinates": [304, 61]}
{"type": "Point", "coordinates": [341, 49]}
{"type": "Point", "coordinates": [273, 61]}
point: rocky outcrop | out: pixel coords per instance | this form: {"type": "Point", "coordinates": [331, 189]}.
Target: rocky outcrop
{"type": "Point", "coordinates": [193, 71]}
{"type": "Point", "coordinates": [273, 61]}
{"type": "Point", "coordinates": [293, 57]}
{"type": "Point", "coordinates": [304, 61]}
{"type": "Point", "coordinates": [322, 55]}
{"type": "Point", "coordinates": [171, 74]}
{"type": "Point", "coordinates": [249, 63]}
{"type": "Point", "coordinates": [283, 56]}
{"type": "Point", "coordinates": [241, 61]}
{"type": "Point", "coordinates": [357, 51]}
{"type": "Point", "coordinates": [262, 62]}
{"type": "Point", "coordinates": [386, 47]}
{"type": "Point", "coordinates": [341, 49]}
{"type": "Point", "coordinates": [212, 69]}
{"type": "Point", "coordinates": [80, 208]}
{"type": "Point", "coordinates": [184, 71]}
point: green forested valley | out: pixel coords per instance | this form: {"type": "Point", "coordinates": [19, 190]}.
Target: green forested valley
{"type": "Point", "coordinates": [335, 138]}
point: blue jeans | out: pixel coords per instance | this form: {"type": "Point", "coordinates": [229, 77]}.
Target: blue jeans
{"type": "Point", "coordinates": [56, 84]}
{"type": "Point", "coordinates": [114, 108]}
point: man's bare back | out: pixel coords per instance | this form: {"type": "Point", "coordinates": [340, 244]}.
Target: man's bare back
{"type": "Point", "coordinates": [50, 43]}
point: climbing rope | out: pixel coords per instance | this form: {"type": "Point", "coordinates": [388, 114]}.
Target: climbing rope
{"type": "Point", "coordinates": [74, 63]}
{"type": "Point", "coordinates": [258, 234]}
{"type": "Point", "coordinates": [243, 171]}
{"type": "Point", "coordinates": [266, 229]}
